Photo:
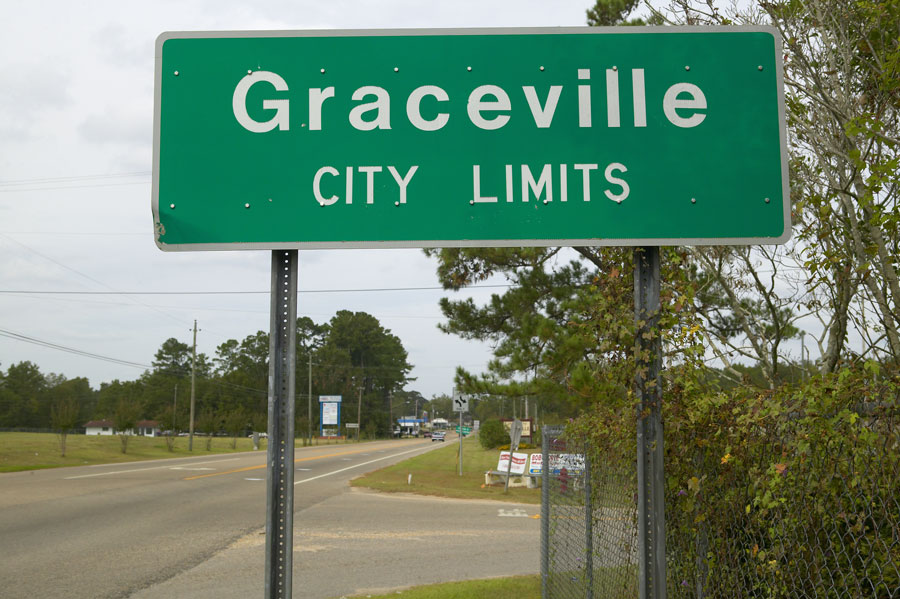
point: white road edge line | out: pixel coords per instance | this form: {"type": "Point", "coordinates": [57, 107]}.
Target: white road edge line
{"type": "Point", "coordinates": [143, 469]}
{"type": "Point", "coordinates": [306, 480]}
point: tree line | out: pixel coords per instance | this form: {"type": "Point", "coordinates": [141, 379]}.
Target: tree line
{"type": "Point", "coordinates": [352, 355]}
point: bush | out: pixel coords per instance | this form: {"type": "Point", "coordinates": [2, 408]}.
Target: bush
{"type": "Point", "coordinates": [492, 434]}
{"type": "Point", "coordinates": [790, 491]}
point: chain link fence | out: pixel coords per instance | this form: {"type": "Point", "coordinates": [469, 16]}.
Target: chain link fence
{"type": "Point", "coordinates": [824, 523]}
{"type": "Point", "coordinates": [589, 517]}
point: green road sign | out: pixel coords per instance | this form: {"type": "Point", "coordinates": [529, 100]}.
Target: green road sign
{"type": "Point", "coordinates": [466, 430]}
{"type": "Point", "coordinates": [509, 137]}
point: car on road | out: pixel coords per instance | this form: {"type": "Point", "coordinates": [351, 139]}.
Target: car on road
{"type": "Point", "coordinates": [438, 436]}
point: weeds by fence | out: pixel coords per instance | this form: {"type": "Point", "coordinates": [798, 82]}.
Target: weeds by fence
{"type": "Point", "coordinates": [800, 500]}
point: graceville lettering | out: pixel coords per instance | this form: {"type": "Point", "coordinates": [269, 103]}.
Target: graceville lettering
{"type": "Point", "coordinates": [488, 107]}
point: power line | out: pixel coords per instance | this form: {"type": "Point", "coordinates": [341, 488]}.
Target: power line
{"type": "Point", "coordinates": [90, 278]}
{"type": "Point", "coordinates": [58, 187]}
{"type": "Point", "coordinates": [71, 350]}
{"type": "Point", "coordinates": [359, 290]}
{"type": "Point", "coordinates": [80, 352]}
{"type": "Point", "coordinates": [74, 182]}
{"type": "Point", "coordinates": [196, 309]}
{"type": "Point", "coordinates": [76, 178]}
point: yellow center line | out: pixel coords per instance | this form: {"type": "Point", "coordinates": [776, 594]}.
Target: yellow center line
{"type": "Point", "coordinates": [247, 468]}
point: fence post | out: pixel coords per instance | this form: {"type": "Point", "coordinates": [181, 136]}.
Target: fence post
{"type": "Point", "coordinates": [651, 506]}
{"type": "Point", "coordinates": [545, 510]}
{"type": "Point", "coordinates": [588, 526]}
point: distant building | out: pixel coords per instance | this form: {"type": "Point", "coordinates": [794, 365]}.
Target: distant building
{"type": "Point", "coordinates": [99, 427]}
{"type": "Point", "coordinates": [144, 428]}
{"type": "Point", "coordinates": [410, 425]}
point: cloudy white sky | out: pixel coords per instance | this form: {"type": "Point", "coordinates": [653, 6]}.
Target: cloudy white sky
{"type": "Point", "coordinates": [76, 108]}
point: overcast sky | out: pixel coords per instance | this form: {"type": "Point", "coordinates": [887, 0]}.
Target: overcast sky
{"type": "Point", "coordinates": [76, 108]}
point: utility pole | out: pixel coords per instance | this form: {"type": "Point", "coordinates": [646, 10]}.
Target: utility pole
{"type": "Point", "coordinates": [802, 352]}
{"type": "Point", "coordinates": [174, 408]}
{"type": "Point", "coordinates": [309, 400]}
{"type": "Point", "coordinates": [359, 413]}
{"type": "Point", "coordinates": [193, 388]}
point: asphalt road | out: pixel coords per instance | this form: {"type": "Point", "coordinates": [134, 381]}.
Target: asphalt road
{"type": "Point", "coordinates": [194, 527]}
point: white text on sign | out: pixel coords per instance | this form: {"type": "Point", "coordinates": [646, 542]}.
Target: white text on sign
{"type": "Point", "coordinates": [488, 107]}
{"type": "Point", "coordinates": [521, 183]}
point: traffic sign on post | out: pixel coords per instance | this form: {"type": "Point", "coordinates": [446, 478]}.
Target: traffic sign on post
{"type": "Point", "coordinates": [641, 136]}
{"type": "Point", "coordinates": [473, 137]}
{"type": "Point", "coordinates": [515, 434]}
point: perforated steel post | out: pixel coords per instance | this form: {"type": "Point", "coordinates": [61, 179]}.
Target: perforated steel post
{"type": "Point", "coordinates": [651, 511]}
{"type": "Point", "coordinates": [280, 455]}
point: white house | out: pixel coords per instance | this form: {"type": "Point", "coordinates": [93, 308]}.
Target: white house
{"type": "Point", "coordinates": [146, 428]}
{"type": "Point", "coordinates": [143, 428]}
{"type": "Point", "coordinates": [99, 427]}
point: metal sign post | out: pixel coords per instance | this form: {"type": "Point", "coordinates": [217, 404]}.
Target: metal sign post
{"type": "Point", "coordinates": [280, 475]}
{"type": "Point", "coordinates": [460, 443]}
{"type": "Point", "coordinates": [515, 435]}
{"type": "Point", "coordinates": [651, 512]}
{"type": "Point", "coordinates": [460, 404]}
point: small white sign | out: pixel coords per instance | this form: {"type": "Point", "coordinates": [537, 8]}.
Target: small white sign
{"type": "Point", "coordinates": [535, 463]}
{"type": "Point", "coordinates": [518, 462]}
{"type": "Point", "coordinates": [329, 414]}
{"type": "Point", "coordinates": [572, 462]}
{"type": "Point", "coordinates": [352, 425]}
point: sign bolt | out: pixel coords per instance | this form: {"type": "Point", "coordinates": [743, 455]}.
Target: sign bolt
{"type": "Point", "coordinates": [249, 71]}
{"type": "Point", "coordinates": [542, 68]}
{"type": "Point", "coordinates": [759, 67]}
{"type": "Point", "coordinates": [767, 200]}
{"type": "Point", "coordinates": [687, 67]}
{"type": "Point", "coordinates": [176, 73]}
{"type": "Point", "coordinates": [471, 202]}
{"type": "Point", "coordinates": [615, 68]}
{"type": "Point", "coordinates": [396, 70]}
{"type": "Point", "coordinates": [321, 70]}
{"type": "Point", "coordinates": [172, 206]}
{"type": "Point", "coordinates": [693, 200]}
{"type": "Point", "coordinates": [247, 205]}
{"type": "Point", "coordinates": [396, 203]}
{"type": "Point", "coordinates": [468, 68]}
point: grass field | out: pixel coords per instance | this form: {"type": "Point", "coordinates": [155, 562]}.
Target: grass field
{"type": "Point", "coordinates": [34, 451]}
{"type": "Point", "coordinates": [436, 473]}
{"type": "Point", "coordinates": [517, 587]}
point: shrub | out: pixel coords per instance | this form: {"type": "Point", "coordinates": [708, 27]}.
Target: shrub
{"type": "Point", "coordinates": [790, 491]}
{"type": "Point", "coordinates": [492, 434]}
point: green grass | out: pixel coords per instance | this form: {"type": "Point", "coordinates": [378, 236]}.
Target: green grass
{"type": "Point", "coordinates": [517, 587]}
{"type": "Point", "coordinates": [436, 473]}
{"type": "Point", "coordinates": [35, 451]}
